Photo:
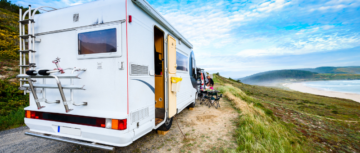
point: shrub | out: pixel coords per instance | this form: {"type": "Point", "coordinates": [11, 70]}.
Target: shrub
{"type": "Point", "coordinates": [12, 120]}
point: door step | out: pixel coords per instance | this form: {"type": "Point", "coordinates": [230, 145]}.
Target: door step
{"type": "Point", "coordinates": [158, 120]}
{"type": "Point", "coordinates": [162, 132]}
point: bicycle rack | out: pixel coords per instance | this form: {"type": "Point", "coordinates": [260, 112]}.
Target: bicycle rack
{"type": "Point", "coordinates": [58, 85]}
{"type": "Point", "coordinates": [32, 74]}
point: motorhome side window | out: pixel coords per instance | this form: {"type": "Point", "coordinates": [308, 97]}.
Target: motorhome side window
{"type": "Point", "coordinates": [102, 41]}
{"type": "Point", "coordinates": [192, 65]}
{"type": "Point", "coordinates": [181, 62]}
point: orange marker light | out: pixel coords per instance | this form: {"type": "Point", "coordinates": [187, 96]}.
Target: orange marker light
{"type": "Point", "coordinates": [115, 124]}
{"type": "Point", "coordinates": [28, 114]}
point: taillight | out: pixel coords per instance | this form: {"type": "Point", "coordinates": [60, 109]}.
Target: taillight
{"type": "Point", "coordinates": [32, 114]}
{"type": "Point", "coordinates": [122, 124]}
{"type": "Point", "coordinates": [119, 124]}
{"type": "Point", "coordinates": [81, 120]}
{"type": "Point", "coordinates": [100, 122]}
{"type": "Point", "coordinates": [28, 114]}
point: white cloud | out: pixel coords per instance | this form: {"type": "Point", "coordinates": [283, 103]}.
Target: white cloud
{"type": "Point", "coordinates": [327, 27]}
{"type": "Point", "coordinates": [73, 2]}
{"type": "Point", "coordinates": [77, 3]}
{"type": "Point", "coordinates": [335, 5]}
{"type": "Point", "coordinates": [272, 6]}
{"type": "Point", "coordinates": [211, 25]}
{"type": "Point", "coordinates": [317, 43]}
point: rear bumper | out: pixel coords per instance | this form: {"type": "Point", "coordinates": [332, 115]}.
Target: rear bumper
{"type": "Point", "coordinates": [102, 147]}
{"type": "Point", "coordinates": [88, 133]}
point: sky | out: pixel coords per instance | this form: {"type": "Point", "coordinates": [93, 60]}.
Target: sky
{"type": "Point", "coordinates": [238, 38]}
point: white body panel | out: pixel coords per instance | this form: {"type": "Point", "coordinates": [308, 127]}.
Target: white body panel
{"type": "Point", "coordinates": [111, 92]}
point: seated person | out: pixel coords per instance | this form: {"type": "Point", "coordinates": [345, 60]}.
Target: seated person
{"type": "Point", "coordinates": [211, 82]}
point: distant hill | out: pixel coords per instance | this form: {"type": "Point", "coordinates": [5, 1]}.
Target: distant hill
{"type": "Point", "coordinates": [277, 75]}
{"type": "Point", "coordinates": [335, 70]}
{"type": "Point", "coordinates": [320, 73]}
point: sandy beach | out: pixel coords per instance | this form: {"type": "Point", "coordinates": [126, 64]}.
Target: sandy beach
{"type": "Point", "coordinates": [303, 88]}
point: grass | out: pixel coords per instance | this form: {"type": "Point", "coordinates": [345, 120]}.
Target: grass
{"type": "Point", "coordinates": [12, 100]}
{"type": "Point", "coordinates": [257, 129]}
{"type": "Point", "coordinates": [313, 123]}
{"type": "Point", "coordinates": [13, 120]}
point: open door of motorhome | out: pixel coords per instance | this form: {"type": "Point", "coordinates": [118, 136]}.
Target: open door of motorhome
{"type": "Point", "coordinates": [171, 52]}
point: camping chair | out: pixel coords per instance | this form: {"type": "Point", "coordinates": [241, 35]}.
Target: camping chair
{"type": "Point", "coordinates": [216, 102]}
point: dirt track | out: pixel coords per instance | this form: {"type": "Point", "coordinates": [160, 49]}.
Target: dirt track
{"type": "Point", "coordinates": [206, 129]}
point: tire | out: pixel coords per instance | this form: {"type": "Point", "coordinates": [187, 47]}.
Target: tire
{"type": "Point", "coordinates": [167, 125]}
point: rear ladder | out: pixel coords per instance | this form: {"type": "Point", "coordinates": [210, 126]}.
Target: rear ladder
{"type": "Point", "coordinates": [28, 72]}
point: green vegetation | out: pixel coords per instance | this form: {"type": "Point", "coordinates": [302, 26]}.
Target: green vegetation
{"type": "Point", "coordinates": [9, 35]}
{"type": "Point", "coordinates": [7, 5]}
{"type": "Point", "coordinates": [336, 70]}
{"type": "Point", "coordinates": [9, 30]}
{"type": "Point", "coordinates": [277, 75]}
{"type": "Point", "coordinates": [258, 130]}
{"type": "Point", "coordinates": [301, 122]}
{"type": "Point", "coordinates": [12, 100]}
{"type": "Point", "coordinates": [304, 75]}
{"type": "Point", "coordinates": [335, 77]}
{"type": "Point", "coordinates": [12, 120]}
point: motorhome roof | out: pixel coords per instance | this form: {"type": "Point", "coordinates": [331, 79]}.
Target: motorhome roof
{"type": "Point", "coordinates": [144, 5]}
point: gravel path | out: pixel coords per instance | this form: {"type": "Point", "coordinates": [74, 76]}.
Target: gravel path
{"type": "Point", "coordinates": [206, 129]}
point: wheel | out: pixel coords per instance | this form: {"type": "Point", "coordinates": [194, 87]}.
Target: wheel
{"type": "Point", "coordinates": [167, 125]}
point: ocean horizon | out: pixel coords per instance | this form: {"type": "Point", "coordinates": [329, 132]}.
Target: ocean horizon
{"type": "Point", "coordinates": [346, 86]}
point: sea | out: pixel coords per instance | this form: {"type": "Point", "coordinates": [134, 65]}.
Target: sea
{"type": "Point", "coordinates": [348, 86]}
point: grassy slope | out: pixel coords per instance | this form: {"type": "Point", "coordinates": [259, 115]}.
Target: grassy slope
{"type": "Point", "coordinates": [12, 100]}
{"type": "Point", "coordinates": [320, 123]}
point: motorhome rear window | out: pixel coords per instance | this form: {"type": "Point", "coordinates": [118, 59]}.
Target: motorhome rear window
{"type": "Point", "coordinates": [102, 41]}
{"type": "Point", "coordinates": [181, 62]}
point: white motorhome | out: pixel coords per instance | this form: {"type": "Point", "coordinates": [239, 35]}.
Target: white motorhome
{"type": "Point", "coordinates": [105, 72]}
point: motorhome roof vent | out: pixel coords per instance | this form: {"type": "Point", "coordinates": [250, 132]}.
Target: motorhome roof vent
{"type": "Point", "coordinates": [136, 69]}
{"type": "Point", "coordinates": [76, 17]}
